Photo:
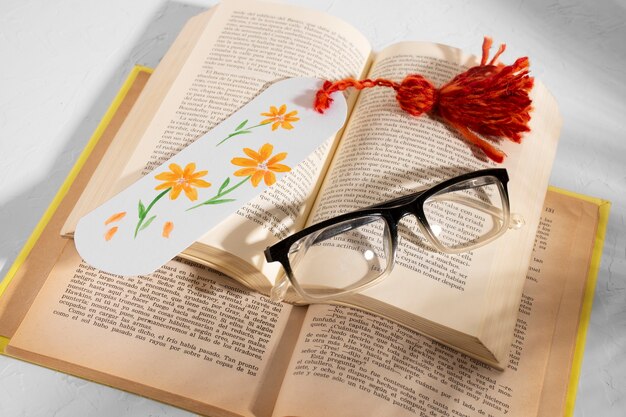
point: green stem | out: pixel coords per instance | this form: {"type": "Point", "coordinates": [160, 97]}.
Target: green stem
{"type": "Point", "coordinates": [220, 194]}
{"type": "Point", "coordinates": [239, 132]}
{"type": "Point", "coordinates": [147, 210]}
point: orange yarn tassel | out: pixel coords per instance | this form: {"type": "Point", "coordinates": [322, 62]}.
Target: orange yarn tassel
{"type": "Point", "coordinates": [489, 99]}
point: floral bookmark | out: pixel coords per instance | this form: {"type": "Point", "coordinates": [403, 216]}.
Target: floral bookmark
{"type": "Point", "coordinates": [156, 218]}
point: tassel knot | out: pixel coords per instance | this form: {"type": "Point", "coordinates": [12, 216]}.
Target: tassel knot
{"type": "Point", "coordinates": [490, 99]}
{"type": "Point", "coordinates": [417, 95]}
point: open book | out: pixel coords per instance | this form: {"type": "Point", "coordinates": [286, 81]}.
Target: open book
{"type": "Point", "coordinates": [192, 337]}
{"type": "Point", "coordinates": [224, 57]}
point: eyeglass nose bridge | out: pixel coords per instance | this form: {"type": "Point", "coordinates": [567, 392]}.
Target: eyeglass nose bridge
{"type": "Point", "coordinates": [410, 209]}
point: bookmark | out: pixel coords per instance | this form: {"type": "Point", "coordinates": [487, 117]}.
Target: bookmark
{"type": "Point", "coordinates": [156, 218]}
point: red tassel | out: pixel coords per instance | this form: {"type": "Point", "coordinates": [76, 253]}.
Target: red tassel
{"type": "Point", "coordinates": [489, 99]}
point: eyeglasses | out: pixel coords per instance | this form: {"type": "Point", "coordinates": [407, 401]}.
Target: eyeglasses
{"type": "Point", "coordinates": [353, 251]}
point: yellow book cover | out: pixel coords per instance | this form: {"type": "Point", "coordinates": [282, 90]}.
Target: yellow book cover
{"type": "Point", "coordinates": [585, 310]}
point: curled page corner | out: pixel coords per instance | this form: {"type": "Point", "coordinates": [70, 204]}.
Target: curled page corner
{"type": "Point", "coordinates": [156, 218]}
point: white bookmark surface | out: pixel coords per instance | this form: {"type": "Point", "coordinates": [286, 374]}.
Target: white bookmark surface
{"type": "Point", "coordinates": [156, 218]}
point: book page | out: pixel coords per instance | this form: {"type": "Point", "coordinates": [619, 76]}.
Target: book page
{"type": "Point", "coordinates": [569, 332]}
{"type": "Point", "coordinates": [385, 152]}
{"type": "Point", "coordinates": [382, 368]}
{"type": "Point", "coordinates": [247, 46]}
{"type": "Point", "coordinates": [185, 335]}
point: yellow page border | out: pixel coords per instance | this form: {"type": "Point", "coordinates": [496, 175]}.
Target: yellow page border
{"type": "Point", "coordinates": [4, 341]}
{"type": "Point", "coordinates": [78, 165]}
{"type": "Point", "coordinates": [604, 207]}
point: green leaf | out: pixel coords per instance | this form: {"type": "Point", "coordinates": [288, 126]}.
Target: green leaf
{"type": "Point", "coordinates": [241, 125]}
{"type": "Point", "coordinates": [241, 132]}
{"type": "Point", "coordinates": [147, 223]}
{"type": "Point", "coordinates": [224, 200]}
{"type": "Point", "coordinates": [142, 210]}
{"type": "Point", "coordinates": [224, 185]}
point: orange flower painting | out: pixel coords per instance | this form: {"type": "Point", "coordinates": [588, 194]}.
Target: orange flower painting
{"type": "Point", "coordinates": [175, 181]}
{"type": "Point", "coordinates": [277, 117]}
{"type": "Point", "coordinates": [167, 229]}
{"type": "Point", "coordinates": [110, 233]}
{"type": "Point", "coordinates": [260, 165]}
{"type": "Point", "coordinates": [114, 218]}
{"type": "Point", "coordinates": [280, 118]}
{"type": "Point", "coordinates": [179, 179]}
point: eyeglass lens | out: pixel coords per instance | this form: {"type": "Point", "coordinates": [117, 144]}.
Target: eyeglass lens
{"type": "Point", "coordinates": [466, 214]}
{"type": "Point", "coordinates": [342, 257]}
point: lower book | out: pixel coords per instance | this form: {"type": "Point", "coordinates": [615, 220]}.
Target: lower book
{"type": "Point", "coordinates": [192, 337]}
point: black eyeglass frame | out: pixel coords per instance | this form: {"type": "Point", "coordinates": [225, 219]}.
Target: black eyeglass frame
{"type": "Point", "coordinates": [392, 212]}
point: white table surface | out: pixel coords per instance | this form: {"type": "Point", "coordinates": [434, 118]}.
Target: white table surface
{"type": "Point", "coordinates": [61, 63]}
